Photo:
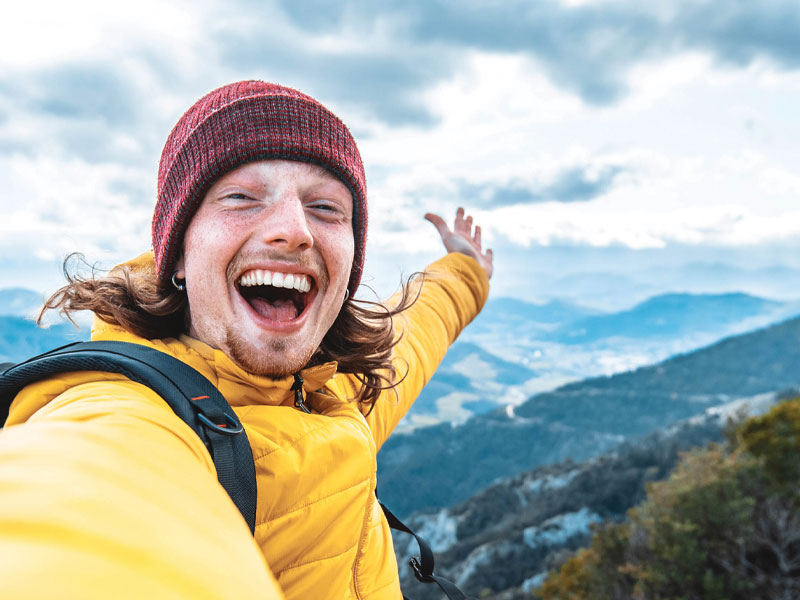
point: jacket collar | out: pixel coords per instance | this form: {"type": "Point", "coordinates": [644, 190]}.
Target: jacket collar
{"type": "Point", "coordinates": [314, 378]}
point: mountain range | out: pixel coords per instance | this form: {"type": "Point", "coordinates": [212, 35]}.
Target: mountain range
{"type": "Point", "coordinates": [515, 348]}
{"type": "Point", "coordinates": [665, 316]}
{"type": "Point", "coordinates": [441, 465]}
{"type": "Point", "coordinates": [616, 288]}
{"type": "Point", "coordinates": [20, 338]}
{"type": "Point", "coordinates": [20, 302]}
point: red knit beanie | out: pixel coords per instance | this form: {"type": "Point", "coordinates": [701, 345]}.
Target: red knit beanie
{"type": "Point", "coordinates": [241, 123]}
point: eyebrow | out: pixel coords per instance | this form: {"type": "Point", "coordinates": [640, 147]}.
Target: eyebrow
{"type": "Point", "coordinates": [322, 171]}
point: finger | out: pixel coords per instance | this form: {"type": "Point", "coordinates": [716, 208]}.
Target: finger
{"type": "Point", "coordinates": [460, 224]}
{"type": "Point", "coordinates": [489, 255]}
{"type": "Point", "coordinates": [439, 223]}
{"type": "Point", "coordinates": [478, 236]}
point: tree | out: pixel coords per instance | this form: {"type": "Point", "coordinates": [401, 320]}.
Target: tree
{"type": "Point", "coordinates": [724, 526]}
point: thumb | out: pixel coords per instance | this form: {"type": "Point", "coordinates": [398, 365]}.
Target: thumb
{"type": "Point", "coordinates": [439, 223]}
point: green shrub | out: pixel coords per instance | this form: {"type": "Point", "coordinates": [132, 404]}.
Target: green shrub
{"type": "Point", "coordinates": [724, 526]}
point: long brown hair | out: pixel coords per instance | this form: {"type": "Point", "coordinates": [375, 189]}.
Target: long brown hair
{"type": "Point", "coordinates": [360, 340]}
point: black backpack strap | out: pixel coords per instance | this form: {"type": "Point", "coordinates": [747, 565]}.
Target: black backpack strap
{"type": "Point", "coordinates": [190, 395]}
{"type": "Point", "coordinates": [423, 566]}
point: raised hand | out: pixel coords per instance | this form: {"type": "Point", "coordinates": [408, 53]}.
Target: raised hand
{"type": "Point", "coordinates": [462, 239]}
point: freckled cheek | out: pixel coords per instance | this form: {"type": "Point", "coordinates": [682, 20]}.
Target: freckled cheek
{"type": "Point", "coordinates": [339, 256]}
{"type": "Point", "coordinates": [208, 253]}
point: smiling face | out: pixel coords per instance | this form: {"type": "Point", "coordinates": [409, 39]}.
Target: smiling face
{"type": "Point", "coordinates": [267, 259]}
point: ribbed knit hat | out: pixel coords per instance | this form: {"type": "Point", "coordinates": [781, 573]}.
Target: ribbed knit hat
{"type": "Point", "coordinates": [240, 123]}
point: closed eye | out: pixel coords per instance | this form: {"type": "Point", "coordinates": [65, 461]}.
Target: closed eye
{"type": "Point", "coordinates": [238, 199]}
{"type": "Point", "coordinates": [328, 207]}
{"type": "Point", "coordinates": [329, 210]}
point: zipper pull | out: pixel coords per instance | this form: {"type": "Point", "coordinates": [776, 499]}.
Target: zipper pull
{"type": "Point", "coordinates": [297, 386]}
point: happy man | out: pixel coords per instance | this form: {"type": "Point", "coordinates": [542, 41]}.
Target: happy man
{"type": "Point", "coordinates": [258, 248]}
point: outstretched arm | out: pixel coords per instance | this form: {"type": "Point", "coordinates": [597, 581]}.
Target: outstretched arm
{"type": "Point", "coordinates": [454, 290]}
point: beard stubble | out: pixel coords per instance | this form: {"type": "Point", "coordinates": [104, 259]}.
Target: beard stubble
{"type": "Point", "coordinates": [276, 362]}
{"type": "Point", "coordinates": [281, 358]}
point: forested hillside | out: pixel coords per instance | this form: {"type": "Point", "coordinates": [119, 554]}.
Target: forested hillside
{"type": "Point", "coordinates": [725, 526]}
{"type": "Point", "coordinates": [502, 541]}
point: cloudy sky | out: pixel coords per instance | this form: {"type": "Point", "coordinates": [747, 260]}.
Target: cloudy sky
{"type": "Point", "coordinates": [611, 149]}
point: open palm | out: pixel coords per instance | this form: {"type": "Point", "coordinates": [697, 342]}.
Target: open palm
{"type": "Point", "coordinates": [462, 238]}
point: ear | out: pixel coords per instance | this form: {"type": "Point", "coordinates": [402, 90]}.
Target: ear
{"type": "Point", "coordinates": [180, 268]}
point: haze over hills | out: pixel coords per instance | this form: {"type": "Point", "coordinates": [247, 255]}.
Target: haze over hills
{"type": "Point", "coordinates": [511, 313]}
{"type": "Point", "coordinates": [616, 288]}
{"type": "Point", "coordinates": [441, 465]}
{"type": "Point", "coordinates": [20, 302]}
{"type": "Point", "coordinates": [773, 281]}
{"type": "Point", "coordinates": [665, 316]}
{"type": "Point", "coordinates": [20, 338]}
{"type": "Point", "coordinates": [557, 342]}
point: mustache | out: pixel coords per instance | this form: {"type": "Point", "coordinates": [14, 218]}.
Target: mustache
{"type": "Point", "coordinates": [304, 262]}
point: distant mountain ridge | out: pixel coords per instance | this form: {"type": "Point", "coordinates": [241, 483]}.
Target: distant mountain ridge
{"type": "Point", "coordinates": [516, 312]}
{"type": "Point", "coordinates": [441, 465]}
{"type": "Point", "coordinates": [20, 338]}
{"type": "Point", "coordinates": [667, 315]}
{"type": "Point", "coordinates": [561, 341]}
{"type": "Point", "coordinates": [612, 290]}
{"type": "Point", "coordinates": [20, 302]}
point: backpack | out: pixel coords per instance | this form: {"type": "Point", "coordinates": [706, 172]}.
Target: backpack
{"type": "Point", "coordinates": [201, 406]}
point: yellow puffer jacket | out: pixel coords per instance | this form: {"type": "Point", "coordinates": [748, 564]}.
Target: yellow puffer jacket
{"type": "Point", "coordinates": [105, 493]}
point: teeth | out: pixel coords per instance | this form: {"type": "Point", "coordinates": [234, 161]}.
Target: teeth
{"type": "Point", "coordinates": [301, 283]}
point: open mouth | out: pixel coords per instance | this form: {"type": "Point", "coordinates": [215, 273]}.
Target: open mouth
{"type": "Point", "coordinates": [276, 296]}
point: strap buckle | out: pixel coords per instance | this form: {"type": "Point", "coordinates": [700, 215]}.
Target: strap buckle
{"type": "Point", "coordinates": [418, 572]}
{"type": "Point", "coordinates": [231, 426]}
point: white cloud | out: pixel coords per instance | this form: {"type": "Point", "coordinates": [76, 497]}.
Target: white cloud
{"type": "Point", "coordinates": [709, 152]}
{"type": "Point", "coordinates": [731, 201]}
{"type": "Point", "coordinates": [37, 34]}
{"type": "Point", "coordinates": [696, 173]}
{"type": "Point", "coordinates": [56, 206]}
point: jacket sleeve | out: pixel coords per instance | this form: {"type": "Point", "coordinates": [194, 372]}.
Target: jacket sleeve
{"type": "Point", "coordinates": [105, 493]}
{"type": "Point", "coordinates": [454, 291]}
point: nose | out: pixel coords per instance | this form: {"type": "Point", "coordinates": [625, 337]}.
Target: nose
{"type": "Point", "coordinates": [285, 227]}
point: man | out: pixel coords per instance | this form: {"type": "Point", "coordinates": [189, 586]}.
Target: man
{"type": "Point", "coordinates": [258, 239]}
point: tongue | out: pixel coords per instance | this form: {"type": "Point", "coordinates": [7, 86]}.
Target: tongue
{"type": "Point", "coordinates": [277, 310]}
